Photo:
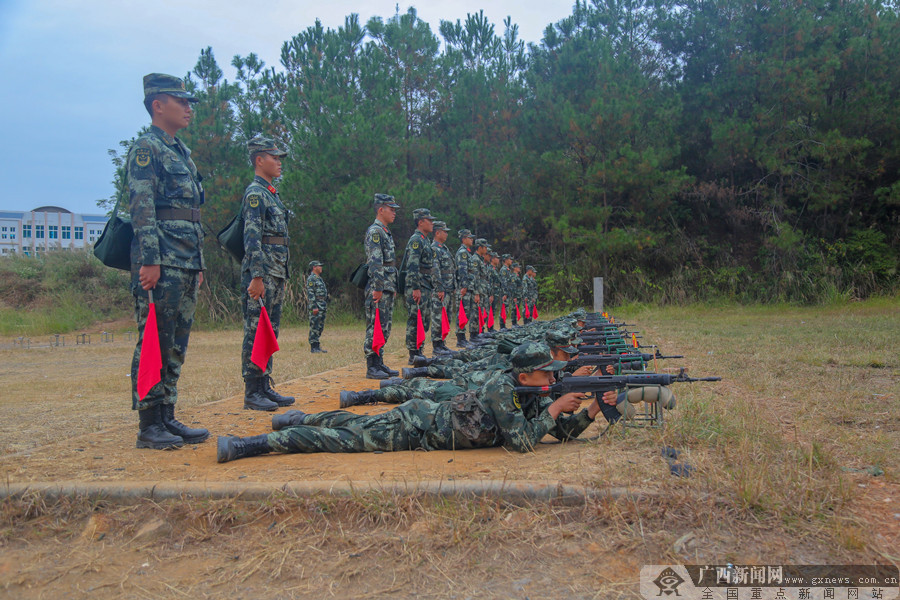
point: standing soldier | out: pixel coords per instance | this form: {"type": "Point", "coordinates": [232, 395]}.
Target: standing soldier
{"type": "Point", "coordinates": [382, 284]}
{"type": "Point", "coordinates": [515, 286]}
{"type": "Point", "coordinates": [482, 288]}
{"type": "Point", "coordinates": [528, 292]}
{"type": "Point", "coordinates": [264, 269]}
{"type": "Point", "coordinates": [506, 288]}
{"type": "Point", "coordinates": [496, 288]}
{"type": "Point", "coordinates": [533, 289]}
{"type": "Point", "coordinates": [166, 254]}
{"type": "Point", "coordinates": [444, 285]}
{"type": "Point", "coordinates": [317, 303]}
{"type": "Point", "coordinates": [418, 260]}
{"type": "Point", "coordinates": [465, 280]}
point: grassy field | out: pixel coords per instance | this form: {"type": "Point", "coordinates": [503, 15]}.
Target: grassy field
{"type": "Point", "coordinates": [794, 458]}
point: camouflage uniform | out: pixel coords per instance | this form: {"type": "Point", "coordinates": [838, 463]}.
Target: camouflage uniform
{"type": "Point", "coordinates": [481, 283]}
{"type": "Point", "coordinates": [418, 261]}
{"type": "Point", "coordinates": [497, 293]}
{"type": "Point", "coordinates": [381, 260]}
{"type": "Point", "coordinates": [493, 415]}
{"type": "Point", "coordinates": [529, 292]}
{"type": "Point", "coordinates": [165, 197]}
{"type": "Point", "coordinates": [506, 289]}
{"type": "Point", "coordinates": [266, 256]}
{"type": "Point", "coordinates": [444, 277]}
{"type": "Point", "coordinates": [465, 278]}
{"type": "Point", "coordinates": [316, 297]}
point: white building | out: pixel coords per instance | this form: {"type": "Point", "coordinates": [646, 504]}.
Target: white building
{"type": "Point", "coordinates": [47, 228]}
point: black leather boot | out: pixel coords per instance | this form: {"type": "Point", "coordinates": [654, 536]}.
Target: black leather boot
{"type": "Point", "coordinates": [461, 340]}
{"type": "Point", "coordinates": [422, 361]}
{"type": "Point", "coordinates": [232, 448]}
{"type": "Point", "coordinates": [389, 382]}
{"type": "Point", "coordinates": [173, 426]}
{"type": "Point", "coordinates": [390, 372]}
{"type": "Point", "coordinates": [373, 369]}
{"type": "Point", "coordinates": [316, 348]}
{"type": "Point", "coordinates": [274, 396]}
{"type": "Point", "coordinates": [349, 399]}
{"type": "Point", "coordinates": [255, 396]}
{"type": "Point", "coordinates": [416, 355]}
{"type": "Point", "coordinates": [153, 433]}
{"type": "Point", "coordinates": [415, 372]}
{"type": "Point", "coordinates": [289, 419]}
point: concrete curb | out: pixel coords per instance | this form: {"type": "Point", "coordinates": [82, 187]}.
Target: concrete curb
{"type": "Point", "coordinates": [514, 492]}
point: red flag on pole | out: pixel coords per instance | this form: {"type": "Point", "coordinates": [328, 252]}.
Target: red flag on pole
{"type": "Point", "coordinates": [518, 313]}
{"type": "Point", "coordinates": [527, 313]}
{"type": "Point", "coordinates": [534, 312]}
{"type": "Point", "coordinates": [461, 318]}
{"type": "Point", "coordinates": [420, 329]}
{"type": "Point", "coordinates": [503, 312]}
{"type": "Point", "coordinates": [265, 344]}
{"type": "Point", "coordinates": [480, 320]}
{"type": "Point", "coordinates": [378, 334]}
{"type": "Point", "coordinates": [445, 323]}
{"type": "Point", "coordinates": [490, 318]}
{"type": "Point", "coordinates": [150, 365]}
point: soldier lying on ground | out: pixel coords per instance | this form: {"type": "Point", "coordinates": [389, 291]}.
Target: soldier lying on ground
{"type": "Point", "coordinates": [493, 415]}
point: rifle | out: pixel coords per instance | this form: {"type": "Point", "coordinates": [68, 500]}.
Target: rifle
{"type": "Point", "coordinates": [607, 383]}
{"type": "Point", "coordinates": [601, 360]}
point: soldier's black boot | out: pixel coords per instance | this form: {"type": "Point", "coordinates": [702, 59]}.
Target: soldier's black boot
{"type": "Point", "coordinates": [415, 372]}
{"type": "Point", "coordinates": [255, 396]}
{"type": "Point", "coordinates": [274, 396]}
{"type": "Point", "coordinates": [390, 372]}
{"type": "Point", "coordinates": [422, 361]}
{"type": "Point", "coordinates": [373, 368]}
{"type": "Point", "coordinates": [173, 426]}
{"type": "Point", "coordinates": [461, 340]}
{"type": "Point", "coordinates": [389, 382]}
{"type": "Point", "coordinates": [349, 399]}
{"type": "Point", "coordinates": [289, 419]}
{"type": "Point", "coordinates": [232, 448]}
{"type": "Point", "coordinates": [153, 433]}
{"type": "Point", "coordinates": [415, 355]}
{"type": "Point", "coordinates": [438, 348]}
{"type": "Point", "coordinates": [315, 348]}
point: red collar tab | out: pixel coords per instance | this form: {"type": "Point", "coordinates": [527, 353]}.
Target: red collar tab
{"type": "Point", "coordinates": [272, 189]}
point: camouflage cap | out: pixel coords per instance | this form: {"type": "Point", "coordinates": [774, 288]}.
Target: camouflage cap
{"type": "Point", "coordinates": [564, 339]}
{"type": "Point", "coordinates": [481, 242]}
{"type": "Point", "coordinates": [422, 213]}
{"type": "Point", "coordinates": [494, 254]}
{"type": "Point", "coordinates": [263, 144]}
{"type": "Point", "coordinates": [440, 226]}
{"type": "Point", "coordinates": [384, 200]}
{"type": "Point", "coordinates": [579, 314]}
{"type": "Point", "coordinates": [515, 265]}
{"type": "Point", "coordinates": [506, 257]}
{"type": "Point", "coordinates": [313, 263]}
{"type": "Point", "coordinates": [534, 356]}
{"type": "Point", "coordinates": [160, 83]}
{"type": "Point", "coordinates": [465, 233]}
{"type": "Point", "coordinates": [530, 268]}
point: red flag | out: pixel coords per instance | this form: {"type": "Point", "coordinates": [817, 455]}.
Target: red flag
{"type": "Point", "coordinates": [265, 344]}
{"type": "Point", "coordinates": [378, 334]}
{"type": "Point", "coordinates": [150, 365]}
{"type": "Point", "coordinates": [527, 313]}
{"type": "Point", "coordinates": [445, 323]}
{"type": "Point", "coordinates": [518, 313]}
{"type": "Point", "coordinates": [503, 312]}
{"type": "Point", "coordinates": [420, 329]}
{"type": "Point", "coordinates": [634, 341]}
{"type": "Point", "coordinates": [480, 320]}
{"type": "Point", "coordinates": [534, 312]}
{"type": "Point", "coordinates": [461, 318]}
{"type": "Point", "coordinates": [490, 318]}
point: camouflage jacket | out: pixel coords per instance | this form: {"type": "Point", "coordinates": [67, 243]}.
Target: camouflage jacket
{"type": "Point", "coordinates": [463, 268]}
{"type": "Point", "coordinates": [418, 260]}
{"type": "Point", "coordinates": [445, 269]}
{"type": "Point", "coordinates": [482, 283]}
{"type": "Point", "coordinates": [530, 290]}
{"type": "Point", "coordinates": [380, 259]}
{"type": "Point", "coordinates": [316, 292]}
{"type": "Point", "coordinates": [506, 283]}
{"type": "Point", "coordinates": [495, 415]}
{"type": "Point", "coordinates": [161, 175]}
{"type": "Point", "coordinates": [264, 217]}
{"type": "Point", "coordinates": [496, 284]}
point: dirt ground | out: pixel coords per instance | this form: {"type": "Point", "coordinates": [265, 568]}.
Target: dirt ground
{"type": "Point", "coordinates": [62, 419]}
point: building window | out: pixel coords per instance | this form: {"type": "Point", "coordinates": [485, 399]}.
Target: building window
{"type": "Point", "coordinates": [26, 252]}
{"type": "Point", "coordinates": [3, 229]}
{"type": "Point", "coordinates": [53, 232]}
{"type": "Point", "coordinates": [12, 236]}
{"type": "Point", "coordinates": [66, 232]}
{"type": "Point", "coordinates": [12, 229]}
{"type": "Point", "coordinates": [26, 231]}
{"type": "Point", "coordinates": [3, 236]}
{"type": "Point", "coordinates": [39, 232]}
{"type": "Point", "coordinates": [79, 233]}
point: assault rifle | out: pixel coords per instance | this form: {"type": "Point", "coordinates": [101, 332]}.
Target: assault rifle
{"type": "Point", "coordinates": [607, 383]}
{"type": "Point", "coordinates": [601, 360]}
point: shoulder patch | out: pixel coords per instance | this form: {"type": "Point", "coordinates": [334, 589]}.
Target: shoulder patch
{"type": "Point", "coordinates": [142, 157]}
{"type": "Point", "coordinates": [516, 400]}
{"type": "Point", "coordinates": [253, 200]}
{"type": "Point", "coordinates": [376, 237]}
{"type": "Point", "coordinates": [415, 245]}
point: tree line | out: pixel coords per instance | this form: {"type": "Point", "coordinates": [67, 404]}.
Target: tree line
{"type": "Point", "coordinates": [684, 150]}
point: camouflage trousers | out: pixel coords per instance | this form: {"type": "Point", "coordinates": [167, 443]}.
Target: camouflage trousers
{"type": "Point", "coordinates": [316, 325]}
{"type": "Point", "coordinates": [412, 307]}
{"type": "Point", "coordinates": [437, 308]}
{"type": "Point", "coordinates": [419, 387]}
{"type": "Point", "coordinates": [512, 313]}
{"type": "Point", "coordinates": [403, 428]}
{"type": "Point", "coordinates": [272, 299]}
{"type": "Point", "coordinates": [175, 298]}
{"type": "Point", "coordinates": [385, 313]}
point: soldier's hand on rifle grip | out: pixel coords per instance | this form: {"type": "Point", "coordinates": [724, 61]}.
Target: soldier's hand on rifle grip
{"type": "Point", "coordinates": [567, 403]}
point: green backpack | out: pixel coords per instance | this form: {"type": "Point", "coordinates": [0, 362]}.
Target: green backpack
{"type": "Point", "coordinates": [232, 236]}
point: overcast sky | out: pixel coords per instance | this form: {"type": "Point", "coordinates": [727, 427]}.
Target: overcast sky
{"type": "Point", "coordinates": [72, 72]}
